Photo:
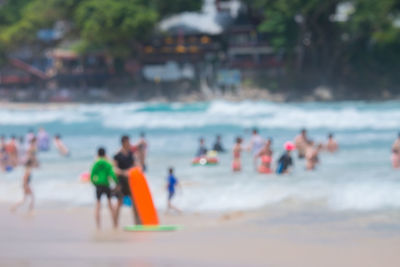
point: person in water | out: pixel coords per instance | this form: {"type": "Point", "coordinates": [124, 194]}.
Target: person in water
{"type": "Point", "coordinates": [12, 151]}
{"type": "Point", "coordinates": [285, 162]}
{"type": "Point", "coordinates": [255, 146]}
{"type": "Point", "coordinates": [265, 156]}
{"type": "Point", "coordinates": [332, 146]}
{"type": "Point", "coordinates": [61, 147]}
{"type": "Point", "coordinates": [43, 140]}
{"type": "Point", "coordinates": [141, 151]}
{"type": "Point", "coordinates": [3, 154]}
{"type": "Point", "coordinates": [218, 145]}
{"type": "Point", "coordinates": [124, 160]}
{"type": "Point", "coordinates": [237, 151]}
{"type": "Point", "coordinates": [31, 163]}
{"type": "Point", "coordinates": [312, 155]}
{"type": "Point", "coordinates": [301, 143]}
{"type": "Point", "coordinates": [172, 183]}
{"type": "Point", "coordinates": [101, 173]}
{"type": "Point", "coordinates": [396, 153]}
{"type": "Point", "coordinates": [202, 151]}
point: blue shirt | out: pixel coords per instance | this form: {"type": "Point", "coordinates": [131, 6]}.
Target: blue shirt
{"type": "Point", "coordinates": [172, 182]}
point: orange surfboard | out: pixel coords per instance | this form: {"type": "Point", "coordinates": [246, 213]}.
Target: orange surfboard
{"type": "Point", "coordinates": [142, 199]}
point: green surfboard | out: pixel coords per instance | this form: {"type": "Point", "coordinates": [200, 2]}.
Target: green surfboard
{"type": "Point", "coordinates": [152, 228]}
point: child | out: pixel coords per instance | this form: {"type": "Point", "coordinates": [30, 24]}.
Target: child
{"type": "Point", "coordinates": [172, 183]}
{"type": "Point", "coordinates": [285, 161]}
{"type": "Point", "coordinates": [237, 150]}
{"type": "Point", "coordinates": [102, 170]}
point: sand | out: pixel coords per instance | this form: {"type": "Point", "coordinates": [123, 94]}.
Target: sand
{"type": "Point", "coordinates": [272, 236]}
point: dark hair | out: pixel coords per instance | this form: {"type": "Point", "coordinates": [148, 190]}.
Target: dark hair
{"type": "Point", "coordinates": [171, 170]}
{"type": "Point", "coordinates": [13, 136]}
{"type": "Point", "coordinates": [201, 139]}
{"type": "Point", "coordinates": [399, 134]}
{"type": "Point", "coordinates": [330, 135]}
{"type": "Point", "coordinates": [142, 134]}
{"type": "Point", "coordinates": [57, 136]}
{"type": "Point", "coordinates": [303, 130]}
{"type": "Point", "coordinates": [101, 152]}
{"type": "Point", "coordinates": [255, 130]}
{"type": "Point", "coordinates": [124, 138]}
{"type": "Point", "coordinates": [270, 139]}
{"type": "Point", "coordinates": [238, 139]}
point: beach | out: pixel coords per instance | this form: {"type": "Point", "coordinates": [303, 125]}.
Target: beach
{"type": "Point", "coordinates": [265, 237]}
{"type": "Point", "coordinates": [345, 213]}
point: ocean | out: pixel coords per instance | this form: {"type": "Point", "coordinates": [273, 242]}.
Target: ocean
{"type": "Point", "coordinates": [358, 178]}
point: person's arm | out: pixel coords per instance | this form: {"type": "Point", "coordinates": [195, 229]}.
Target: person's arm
{"type": "Point", "coordinates": [117, 170]}
{"type": "Point", "coordinates": [112, 174]}
{"type": "Point", "coordinates": [92, 173]}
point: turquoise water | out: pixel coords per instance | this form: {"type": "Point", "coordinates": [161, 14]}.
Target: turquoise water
{"type": "Point", "coordinates": [359, 177]}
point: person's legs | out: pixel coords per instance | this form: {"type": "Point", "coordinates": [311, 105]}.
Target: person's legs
{"type": "Point", "coordinates": [97, 213]}
{"type": "Point", "coordinates": [30, 192]}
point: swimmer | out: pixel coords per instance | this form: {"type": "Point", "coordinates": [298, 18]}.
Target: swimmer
{"type": "Point", "coordinates": [301, 143]}
{"type": "Point", "coordinates": [101, 173]}
{"type": "Point", "coordinates": [237, 151]}
{"type": "Point", "coordinates": [312, 152]}
{"type": "Point", "coordinates": [3, 153]}
{"type": "Point", "coordinates": [12, 151]}
{"type": "Point", "coordinates": [27, 178]}
{"type": "Point", "coordinates": [332, 145]}
{"type": "Point", "coordinates": [255, 146]}
{"type": "Point", "coordinates": [141, 151]}
{"type": "Point", "coordinates": [60, 145]}
{"type": "Point", "coordinates": [172, 183]}
{"type": "Point", "coordinates": [396, 144]}
{"type": "Point", "coordinates": [266, 157]}
{"type": "Point", "coordinates": [395, 158]}
{"type": "Point", "coordinates": [218, 145]}
{"type": "Point", "coordinates": [43, 140]}
{"type": "Point", "coordinates": [285, 162]}
{"type": "Point", "coordinates": [202, 151]}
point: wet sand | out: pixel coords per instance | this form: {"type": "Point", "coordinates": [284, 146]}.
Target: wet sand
{"type": "Point", "coordinates": [268, 237]}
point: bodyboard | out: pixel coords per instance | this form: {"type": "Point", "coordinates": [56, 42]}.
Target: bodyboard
{"type": "Point", "coordinates": [152, 228]}
{"type": "Point", "coordinates": [142, 198]}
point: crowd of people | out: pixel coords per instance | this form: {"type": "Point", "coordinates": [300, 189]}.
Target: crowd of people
{"type": "Point", "coordinates": [262, 153]}
{"type": "Point", "coordinates": [22, 152]}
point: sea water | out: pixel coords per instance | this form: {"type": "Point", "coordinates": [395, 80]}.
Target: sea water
{"type": "Point", "coordinates": [359, 177]}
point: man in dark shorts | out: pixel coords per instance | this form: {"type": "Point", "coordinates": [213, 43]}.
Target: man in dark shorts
{"type": "Point", "coordinates": [102, 170]}
{"type": "Point", "coordinates": [123, 161]}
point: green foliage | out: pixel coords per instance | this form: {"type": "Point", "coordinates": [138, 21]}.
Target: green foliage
{"type": "Point", "coordinates": [114, 24]}
{"type": "Point", "coordinates": [361, 51]}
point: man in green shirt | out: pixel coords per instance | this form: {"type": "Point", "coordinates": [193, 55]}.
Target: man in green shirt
{"type": "Point", "coordinates": [102, 171]}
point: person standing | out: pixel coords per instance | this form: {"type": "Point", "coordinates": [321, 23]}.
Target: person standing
{"type": "Point", "coordinates": [237, 151]}
{"type": "Point", "coordinates": [102, 171]}
{"type": "Point", "coordinates": [301, 143]}
{"type": "Point", "coordinates": [172, 183]}
{"type": "Point", "coordinates": [396, 153]}
{"type": "Point", "coordinates": [285, 162]}
{"type": "Point", "coordinates": [43, 140]}
{"type": "Point", "coordinates": [265, 156]}
{"type": "Point", "coordinates": [31, 163]}
{"type": "Point", "coordinates": [332, 146]}
{"type": "Point", "coordinates": [123, 161]}
{"type": "Point", "coordinates": [12, 150]}
{"type": "Point", "coordinates": [255, 146]}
